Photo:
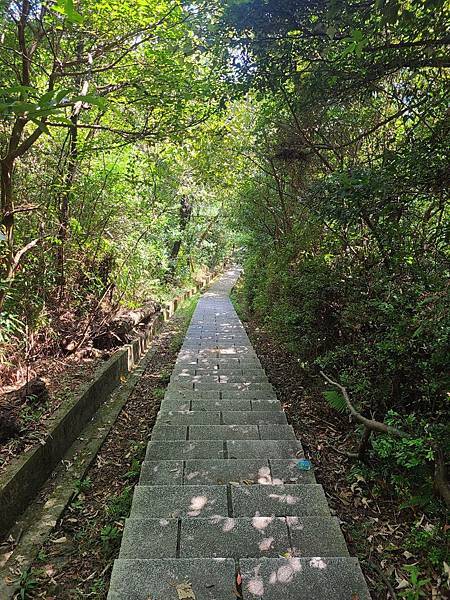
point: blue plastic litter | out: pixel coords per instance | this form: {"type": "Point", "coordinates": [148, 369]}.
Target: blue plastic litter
{"type": "Point", "coordinates": [304, 465]}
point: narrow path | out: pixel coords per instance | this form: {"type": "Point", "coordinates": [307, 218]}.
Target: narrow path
{"type": "Point", "coordinates": [220, 496]}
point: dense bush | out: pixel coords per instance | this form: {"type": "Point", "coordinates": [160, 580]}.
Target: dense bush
{"type": "Point", "coordinates": [344, 210]}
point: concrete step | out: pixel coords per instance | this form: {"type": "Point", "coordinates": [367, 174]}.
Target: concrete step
{"type": "Point", "coordinates": [205, 432]}
{"type": "Point", "coordinates": [169, 432]}
{"type": "Point", "coordinates": [188, 417]}
{"type": "Point", "coordinates": [218, 386]}
{"type": "Point", "coordinates": [222, 432]}
{"type": "Point", "coordinates": [254, 417]}
{"type": "Point", "coordinates": [226, 537]}
{"type": "Point", "coordinates": [276, 432]}
{"type": "Point", "coordinates": [184, 450]}
{"type": "Point", "coordinates": [223, 471]}
{"type": "Point", "coordinates": [230, 405]}
{"type": "Point", "coordinates": [263, 449]}
{"type": "Point", "coordinates": [263, 536]}
{"type": "Point", "coordinates": [216, 370]}
{"type": "Point", "coordinates": [173, 501]}
{"type": "Point", "coordinates": [176, 450]}
{"type": "Point", "coordinates": [213, 472]}
{"type": "Point", "coordinates": [288, 472]}
{"type": "Point", "coordinates": [157, 579]}
{"type": "Point", "coordinates": [226, 394]}
{"type": "Point", "coordinates": [306, 578]}
{"type": "Point", "coordinates": [220, 394]}
{"type": "Point", "coordinates": [175, 404]}
{"type": "Point", "coordinates": [162, 472]}
{"type": "Point", "coordinates": [191, 395]}
{"type": "Point", "coordinates": [278, 500]}
{"type": "Point", "coordinates": [218, 377]}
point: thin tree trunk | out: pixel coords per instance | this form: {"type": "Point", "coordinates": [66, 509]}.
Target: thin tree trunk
{"type": "Point", "coordinates": [185, 215]}
{"type": "Point", "coordinates": [7, 271]}
{"type": "Point", "coordinates": [72, 161]}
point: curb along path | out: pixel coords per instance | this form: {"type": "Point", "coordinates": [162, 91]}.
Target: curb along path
{"type": "Point", "coordinates": [220, 498]}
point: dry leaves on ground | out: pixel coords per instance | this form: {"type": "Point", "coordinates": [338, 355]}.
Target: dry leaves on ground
{"type": "Point", "coordinates": [185, 591]}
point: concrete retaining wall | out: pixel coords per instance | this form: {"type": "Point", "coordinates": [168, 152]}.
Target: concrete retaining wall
{"type": "Point", "coordinates": [23, 478]}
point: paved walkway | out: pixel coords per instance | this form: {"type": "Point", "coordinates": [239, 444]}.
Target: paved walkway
{"type": "Point", "coordinates": [220, 498]}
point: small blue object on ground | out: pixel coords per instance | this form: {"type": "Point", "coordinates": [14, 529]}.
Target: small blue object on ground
{"type": "Point", "coordinates": [304, 465]}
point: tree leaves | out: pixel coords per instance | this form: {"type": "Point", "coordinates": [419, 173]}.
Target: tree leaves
{"type": "Point", "coordinates": [66, 8]}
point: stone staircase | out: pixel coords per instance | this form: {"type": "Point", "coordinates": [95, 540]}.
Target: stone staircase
{"type": "Point", "coordinates": [222, 510]}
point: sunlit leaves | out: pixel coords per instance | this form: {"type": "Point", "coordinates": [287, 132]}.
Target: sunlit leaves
{"type": "Point", "coordinates": [66, 8]}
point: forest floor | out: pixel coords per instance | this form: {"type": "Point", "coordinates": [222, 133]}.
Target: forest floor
{"type": "Point", "coordinates": [55, 360]}
{"type": "Point", "coordinates": [76, 560]}
{"type": "Point", "coordinates": [67, 374]}
{"type": "Point", "coordinates": [395, 562]}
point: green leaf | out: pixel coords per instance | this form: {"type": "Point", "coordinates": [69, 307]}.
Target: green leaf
{"type": "Point", "coordinates": [66, 8]}
{"type": "Point", "coordinates": [63, 120]}
{"type": "Point", "coordinates": [336, 400]}
{"type": "Point", "coordinates": [15, 89]}
{"type": "Point", "coordinates": [60, 94]}
{"type": "Point", "coordinates": [46, 98]}
{"type": "Point", "coordinates": [23, 107]}
{"type": "Point", "coordinates": [91, 99]}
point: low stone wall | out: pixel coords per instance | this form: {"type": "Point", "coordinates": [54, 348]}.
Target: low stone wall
{"type": "Point", "coordinates": [23, 478]}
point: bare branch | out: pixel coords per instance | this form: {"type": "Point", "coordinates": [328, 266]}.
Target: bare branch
{"type": "Point", "coordinates": [369, 423]}
{"type": "Point", "coordinates": [21, 253]}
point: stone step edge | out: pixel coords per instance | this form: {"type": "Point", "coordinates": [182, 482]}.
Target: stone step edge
{"type": "Point", "coordinates": [122, 567]}
{"type": "Point", "coordinates": [268, 471]}
{"type": "Point", "coordinates": [233, 537]}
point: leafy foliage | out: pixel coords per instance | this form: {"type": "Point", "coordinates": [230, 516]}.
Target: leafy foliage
{"type": "Point", "coordinates": [105, 111]}
{"type": "Point", "coordinates": [336, 400]}
{"type": "Point", "coordinates": [343, 215]}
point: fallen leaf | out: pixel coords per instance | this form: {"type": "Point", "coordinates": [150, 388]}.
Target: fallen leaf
{"type": "Point", "coordinates": [4, 558]}
{"type": "Point", "coordinates": [184, 591]}
{"type": "Point", "coordinates": [239, 579]}
{"type": "Point", "coordinates": [49, 570]}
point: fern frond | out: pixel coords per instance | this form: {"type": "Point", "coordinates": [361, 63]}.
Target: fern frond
{"type": "Point", "coordinates": [336, 400]}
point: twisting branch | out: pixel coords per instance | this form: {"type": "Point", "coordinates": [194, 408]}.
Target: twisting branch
{"type": "Point", "coordinates": [440, 469]}
{"type": "Point", "coordinates": [21, 253]}
{"type": "Point", "coordinates": [369, 423]}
